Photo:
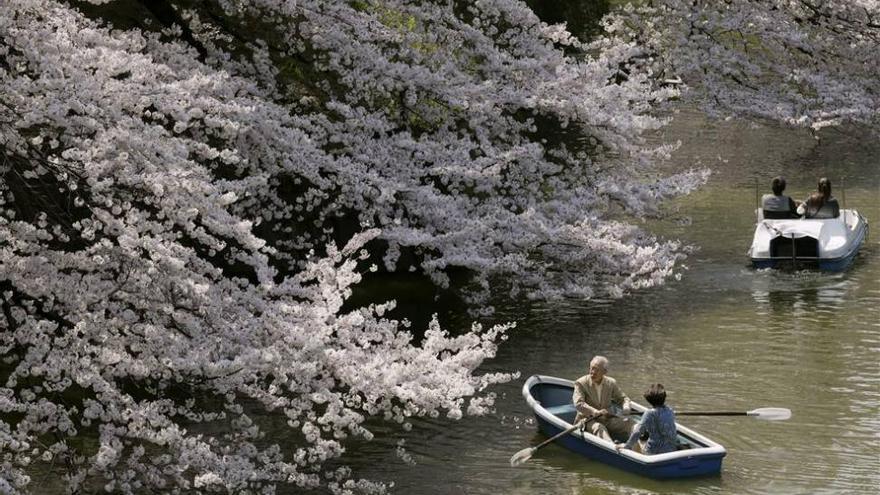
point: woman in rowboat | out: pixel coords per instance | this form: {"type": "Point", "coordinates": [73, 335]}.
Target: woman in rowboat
{"type": "Point", "coordinates": [658, 423]}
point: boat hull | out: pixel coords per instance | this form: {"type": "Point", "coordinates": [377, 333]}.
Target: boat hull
{"type": "Point", "coordinates": [847, 234]}
{"type": "Point", "coordinates": [554, 413]}
{"type": "Point", "coordinates": [679, 468]}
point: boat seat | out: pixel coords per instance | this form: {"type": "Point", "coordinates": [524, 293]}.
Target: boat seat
{"type": "Point", "coordinates": [564, 411]}
{"type": "Point", "coordinates": [778, 215]}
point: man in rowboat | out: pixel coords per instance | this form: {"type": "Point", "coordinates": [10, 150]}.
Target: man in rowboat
{"type": "Point", "coordinates": [594, 394]}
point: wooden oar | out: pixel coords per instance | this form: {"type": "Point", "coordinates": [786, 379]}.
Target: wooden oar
{"type": "Point", "coordinates": [526, 454]}
{"type": "Point", "coordinates": [766, 413]}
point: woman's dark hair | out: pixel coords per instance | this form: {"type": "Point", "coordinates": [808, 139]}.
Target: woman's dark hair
{"type": "Point", "coordinates": [777, 185]}
{"type": "Point", "coordinates": [656, 395]}
{"type": "Point", "coordinates": [824, 187]}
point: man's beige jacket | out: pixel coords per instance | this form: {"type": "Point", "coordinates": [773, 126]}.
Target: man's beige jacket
{"type": "Point", "coordinates": [588, 402]}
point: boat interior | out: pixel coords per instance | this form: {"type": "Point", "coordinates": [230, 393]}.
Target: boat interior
{"type": "Point", "coordinates": [556, 399]}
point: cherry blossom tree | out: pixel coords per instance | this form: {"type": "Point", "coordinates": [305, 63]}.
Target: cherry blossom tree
{"type": "Point", "coordinates": [809, 63]}
{"type": "Point", "coordinates": [175, 193]}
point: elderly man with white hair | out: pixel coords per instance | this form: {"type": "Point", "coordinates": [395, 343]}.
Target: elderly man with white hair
{"type": "Point", "coordinates": [594, 394]}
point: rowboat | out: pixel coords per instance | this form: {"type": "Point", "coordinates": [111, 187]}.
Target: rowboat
{"type": "Point", "coordinates": [830, 244]}
{"type": "Point", "coordinates": [551, 400]}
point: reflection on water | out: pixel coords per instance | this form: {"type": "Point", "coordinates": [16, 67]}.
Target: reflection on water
{"type": "Point", "coordinates": [798, 294]}
{"type": "Point", "coordinates": [725, 337]}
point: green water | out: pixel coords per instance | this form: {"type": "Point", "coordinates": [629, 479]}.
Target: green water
{"type": "Point", "coordinates": [724, 337]}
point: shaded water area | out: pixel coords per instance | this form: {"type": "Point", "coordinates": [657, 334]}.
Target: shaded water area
{"type": "Point", "coordinates": [724, 337]}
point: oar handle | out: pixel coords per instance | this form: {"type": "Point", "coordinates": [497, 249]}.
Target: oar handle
{"type": "Point", "coordinates": [766, 413]}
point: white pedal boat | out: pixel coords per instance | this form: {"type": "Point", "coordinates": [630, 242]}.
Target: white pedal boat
{"type": "Point", "coordinates": [830, 244]}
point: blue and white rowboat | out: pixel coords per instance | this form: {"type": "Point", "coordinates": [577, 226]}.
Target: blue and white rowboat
{"type": "Point", "coordinates": [550, 398]}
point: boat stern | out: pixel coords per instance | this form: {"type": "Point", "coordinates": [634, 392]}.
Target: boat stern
{"type": "Point", "coordinates": [830, 244]}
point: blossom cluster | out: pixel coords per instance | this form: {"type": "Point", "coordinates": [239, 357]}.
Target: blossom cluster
{"type": "Point", "coordinates": [440, 124]}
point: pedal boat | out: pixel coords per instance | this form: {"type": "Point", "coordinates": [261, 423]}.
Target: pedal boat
{"type": "Point", "coordinates": [829, 244]}
{"type": "Point", "coordinates": [551, 400]}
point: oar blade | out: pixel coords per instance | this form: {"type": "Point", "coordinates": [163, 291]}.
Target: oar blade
{"type": "Point", "coordinates": [521, 456]}
{"type": "Point", "coordinates": [771, 413]}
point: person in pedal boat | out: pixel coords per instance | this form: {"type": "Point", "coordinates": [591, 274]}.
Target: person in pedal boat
{"type": "Point", "coordinates": [658, 424]}
{"type": "Point", "coordinates": [820, 204]}
{"type": "Point", "coordinates": [594, 395]}
{"type": "Point", "coordinates": [778, 205]}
